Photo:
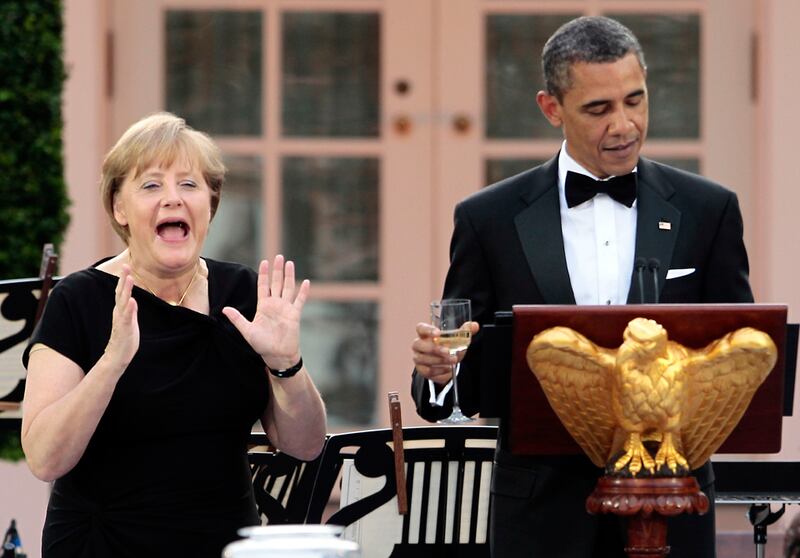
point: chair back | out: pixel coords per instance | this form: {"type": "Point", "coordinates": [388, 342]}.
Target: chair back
{"type": "Point", "coordinates": [282, 484]}
{"type": "Point", "coordinates": [20, 303]}
{"type": "Point", "coordinates": [448, 473]}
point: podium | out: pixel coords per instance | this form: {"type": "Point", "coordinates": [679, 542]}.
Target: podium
{"type": "Point", "coordinates": [534, 428]}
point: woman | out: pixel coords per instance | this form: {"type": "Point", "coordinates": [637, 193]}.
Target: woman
{"type": "Point", "coordinates": [148, 369]}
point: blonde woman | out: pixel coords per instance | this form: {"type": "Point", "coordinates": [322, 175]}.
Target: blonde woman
{"type": "Point", "coordinates": [149, 368]}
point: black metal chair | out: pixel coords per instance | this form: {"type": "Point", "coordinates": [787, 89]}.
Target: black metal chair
{"type": "Point", "coordinates": [282, 484]}
{"type": "Point", "coordinates": [448, 472]}
{"type": "Point", "coordinates": [22, 300]}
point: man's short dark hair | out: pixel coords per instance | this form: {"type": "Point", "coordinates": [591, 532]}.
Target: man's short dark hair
{"type": "Point", "coordinates": [592, 39]}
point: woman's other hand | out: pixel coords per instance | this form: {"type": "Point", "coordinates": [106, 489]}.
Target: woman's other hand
{"type": "Point", "coordinates": [124, 340]}
{"type": "Point", "coordinates": [275, 330]}
{"type": "Point", "coordinates": [63, 403]}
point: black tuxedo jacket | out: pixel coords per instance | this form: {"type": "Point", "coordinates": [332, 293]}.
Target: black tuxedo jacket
{"type": "Point", "coordinates": [507, 248]}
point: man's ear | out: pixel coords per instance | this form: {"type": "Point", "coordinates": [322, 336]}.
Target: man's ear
{"type": "Point", "coordinates": [550, 107]}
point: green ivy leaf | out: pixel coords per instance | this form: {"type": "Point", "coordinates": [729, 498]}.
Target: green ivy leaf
{"type": "Point", "coordinates": [10, 446]}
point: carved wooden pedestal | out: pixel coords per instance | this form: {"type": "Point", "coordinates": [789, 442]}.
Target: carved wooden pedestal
{"type": "Point", "coordinates": [647, 503]}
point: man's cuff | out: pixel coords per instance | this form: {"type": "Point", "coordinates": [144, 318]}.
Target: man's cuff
{"type": "Point", "coordinates": [438, 400]}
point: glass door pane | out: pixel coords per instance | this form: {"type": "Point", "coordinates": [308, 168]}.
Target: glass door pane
{"type": "Point", "coordinates": [513, 74]}
{"type": "Point", "coordinates": [235, 233]}
{"type": "Point", "coordinates": [671, 44]}
{"type": "Point", "coordinates": [331, 74]}
{"type": "Point", "coordinates": [213, 82]}
{"type": "Point", "coordinates": [330, 209]}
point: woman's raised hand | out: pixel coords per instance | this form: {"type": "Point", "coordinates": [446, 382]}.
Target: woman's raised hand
{"type": "Point", "coordinates": [275, 330]}
{"type": "Point", "coordinates": [124, 340]}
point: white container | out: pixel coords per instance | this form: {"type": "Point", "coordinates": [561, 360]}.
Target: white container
{"type": "Point", "coordinates": [292, 541]}
{"type": "Point", "coordinates": [292, 547]}
{"type": "Point", "coordinates": [291, 531]}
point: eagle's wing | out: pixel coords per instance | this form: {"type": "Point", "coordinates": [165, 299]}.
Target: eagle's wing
{"type": "Point", "coordinates": [575, 375]}
{"type": "Point", "coordinates": [723, 377]}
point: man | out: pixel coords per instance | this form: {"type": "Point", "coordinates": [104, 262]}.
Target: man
{"type": "Point", "coordinates": [538, 238]}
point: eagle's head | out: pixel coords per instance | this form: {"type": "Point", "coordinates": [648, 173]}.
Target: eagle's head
{"type": "Point", "coordinates": [645, 338]}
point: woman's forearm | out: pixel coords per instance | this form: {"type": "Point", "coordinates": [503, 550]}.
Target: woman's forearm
{"type": "Point", "coordinates": [295, 417]}
{"type": "Point", "coordinates": [57, 430]}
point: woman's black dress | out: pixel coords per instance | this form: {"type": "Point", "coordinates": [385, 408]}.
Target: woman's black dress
{"type": "Point", "coordinates": [165, 473]}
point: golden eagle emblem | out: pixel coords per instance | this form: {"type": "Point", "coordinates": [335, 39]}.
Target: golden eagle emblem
{"type": "Point", "coordinates": [650, 389]}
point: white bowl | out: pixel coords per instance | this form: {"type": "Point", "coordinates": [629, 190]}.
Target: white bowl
{"type": "Point", "coordinates": [303, 547]}
{"type": "Point", "coordinates": [290, 530]}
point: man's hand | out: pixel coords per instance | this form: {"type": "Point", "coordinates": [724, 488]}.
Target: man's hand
{"type": "Point", "coordinates": [431, 360]}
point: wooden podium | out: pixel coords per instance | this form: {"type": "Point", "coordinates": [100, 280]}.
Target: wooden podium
{"type": "Point", "coordinates": [647, 502]}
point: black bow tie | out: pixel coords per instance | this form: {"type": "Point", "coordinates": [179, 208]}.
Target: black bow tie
{"type": "Point", "coordinates": [580, 188]}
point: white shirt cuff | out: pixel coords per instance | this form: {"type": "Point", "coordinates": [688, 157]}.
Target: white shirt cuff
{"type": "Point", "coordinates": [438, 400]}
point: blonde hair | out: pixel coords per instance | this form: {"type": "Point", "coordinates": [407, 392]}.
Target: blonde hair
{"type": "Point", "coordinates": [160, 138]}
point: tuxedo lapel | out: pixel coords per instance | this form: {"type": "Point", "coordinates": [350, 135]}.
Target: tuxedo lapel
{"type": "Point", "coordinates": [657, 225]}
{"type": "Point", "coordinates": [539, 230]}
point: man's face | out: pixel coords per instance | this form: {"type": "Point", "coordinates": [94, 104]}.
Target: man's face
{"type": "Point", "coordinates": [603, 115]}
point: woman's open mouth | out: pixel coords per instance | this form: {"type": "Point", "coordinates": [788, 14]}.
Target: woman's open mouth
{"type": "Point", "coordinates": [173, 230]}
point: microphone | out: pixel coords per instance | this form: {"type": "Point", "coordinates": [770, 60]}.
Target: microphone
{"type": "Point", "coordinates": [654, 266]}
{"type": "Point", "coordinates": [638, 265]}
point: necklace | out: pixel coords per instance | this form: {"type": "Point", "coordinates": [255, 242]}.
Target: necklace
{"type": "Point", "coordinates": [170, 302]}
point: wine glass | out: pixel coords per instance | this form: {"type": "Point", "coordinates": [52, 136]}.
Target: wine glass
{"type": "Point", "coordinates": [450, 315]}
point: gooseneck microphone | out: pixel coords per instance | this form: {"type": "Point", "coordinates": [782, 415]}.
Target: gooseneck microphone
{"type": "Point", "coordinates": [654, 265]}
{"type": "Point", "coordinates": [638, 265]}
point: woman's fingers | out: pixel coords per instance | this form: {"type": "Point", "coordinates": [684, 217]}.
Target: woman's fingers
{"type": "Point", "coordinates": [236, 318]}
{"type": "Point", "coordinates": [276, 284]}
{"type": "Point", "coordinates": [302, 294]}
{"type": "Point", "coordinates": [124, 340]}
{"type": "Point", "coordinates": [123, 276]}
{"type": "Point", "coordinates": [288, 281]}
{"type": "Point", "coordinates": [263, 280]}
{"type": "Point", "coordinates": [281, 281]}
{"type": "Point", "coordinates": [131, 309]}
{"type": "Point", "coordinates": [123, 291]}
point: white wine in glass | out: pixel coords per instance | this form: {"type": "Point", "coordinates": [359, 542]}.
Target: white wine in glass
{"type": "Point", "coordinates": [451, 317]}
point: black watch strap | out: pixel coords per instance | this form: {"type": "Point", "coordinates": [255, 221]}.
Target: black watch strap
{"type": "Point", "coordinates": [287, 372]}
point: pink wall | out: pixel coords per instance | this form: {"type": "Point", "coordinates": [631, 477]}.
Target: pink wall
{"type": "Point", "coordinates": [777, 192]}
{"type": "Point", "coordinates": [85, 138]}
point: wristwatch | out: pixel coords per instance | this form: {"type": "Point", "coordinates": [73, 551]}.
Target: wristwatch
{"type": "Point", "coordinates": [287, 372]}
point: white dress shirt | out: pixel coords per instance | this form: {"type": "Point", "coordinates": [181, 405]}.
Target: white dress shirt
{"type": "Point", "coordinates": [599, 243]}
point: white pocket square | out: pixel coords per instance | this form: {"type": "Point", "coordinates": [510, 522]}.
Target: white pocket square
{"type": "Point", "coordinates": [675, 273]}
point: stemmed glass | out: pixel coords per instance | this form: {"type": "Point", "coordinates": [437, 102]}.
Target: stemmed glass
{"type": "Point", "coordinates": [450, 315]}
